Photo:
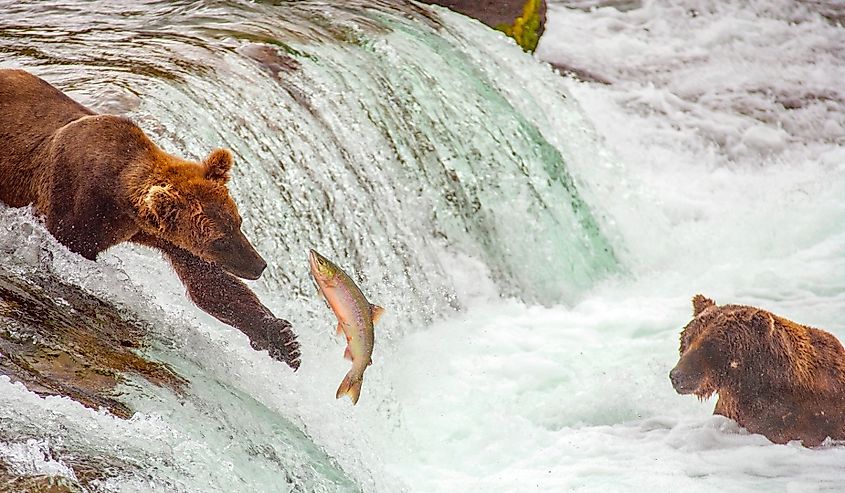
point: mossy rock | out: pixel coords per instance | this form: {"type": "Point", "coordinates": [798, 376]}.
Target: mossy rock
{"type": "Point", "coordinates": [523, 20]}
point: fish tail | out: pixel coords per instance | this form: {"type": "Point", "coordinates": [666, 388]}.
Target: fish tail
{"type": "Point", "coordinates": [351, 386]}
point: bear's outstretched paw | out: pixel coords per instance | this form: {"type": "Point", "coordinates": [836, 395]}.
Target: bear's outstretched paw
{"type": "Point", "coordinates": [277, 337]}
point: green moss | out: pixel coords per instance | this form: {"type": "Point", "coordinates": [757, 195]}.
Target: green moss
{"type": "Point", "coordinates": [527, 27]}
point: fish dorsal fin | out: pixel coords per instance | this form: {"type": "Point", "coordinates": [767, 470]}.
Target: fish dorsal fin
{"type": "Point", "coordinates": [376, 312]}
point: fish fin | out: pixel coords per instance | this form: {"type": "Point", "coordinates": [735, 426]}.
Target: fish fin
{"type": "Point", "coordinates": [317, 288]}
{"type": "Point", "coordinates": [347, 354]}
{"type": "Point", "coordinates": [351, 387]}
{"type": "Point", "coordinates": [377, 312]}
{"type": "Point", "coordinates": [339, 329]}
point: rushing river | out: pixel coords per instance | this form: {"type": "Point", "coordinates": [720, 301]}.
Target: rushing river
{"type": "Point", "coordinates": [535, 271]}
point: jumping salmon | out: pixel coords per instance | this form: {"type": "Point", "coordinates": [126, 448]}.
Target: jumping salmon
{"type": "Point", "coordinates": [355, 319]}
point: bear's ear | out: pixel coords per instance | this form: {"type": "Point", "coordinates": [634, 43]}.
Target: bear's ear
{"type": "Point", "coordinates": [763, 321]}
{"type": "Point", "coordinates": [700, 303]}
{"type": "Point", "coordinates": [160, 205]}
{"type": "Point", "coordinates": [217, 165]}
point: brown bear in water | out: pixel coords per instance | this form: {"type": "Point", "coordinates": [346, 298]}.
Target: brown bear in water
{"type": "Point", "coordinates": [97, 180]}
{"type": "Point", "coordinates": [773, 376]}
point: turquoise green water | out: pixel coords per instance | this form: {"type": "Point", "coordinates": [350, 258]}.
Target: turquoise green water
{"type": "Point", "coordinates": [388, 140]}
{"type": "Point", "coordinates": [375, 132]}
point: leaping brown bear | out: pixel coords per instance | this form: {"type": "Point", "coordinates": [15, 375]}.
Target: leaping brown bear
{"type": "Point", "coordinates": [774, 377]}
{"type": "Point", "coordinates": [98, 180]}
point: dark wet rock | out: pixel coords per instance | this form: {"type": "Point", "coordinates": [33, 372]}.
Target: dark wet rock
{"type": "Point", "coordinates": [587, 5]}
{"type": "Point", "coordinates": [56, 339]}
{"type": "Point", "coordinates": [37, 484]}
{"type": "Point", "coordinates": [581, 74]}
{"type": "Point", "coordinates": [87, 472]}
{"type": "Point", "coordinates": [523, 20]}
{"type": "Point", "coordinates": [18, 483]}
{"type": "Point", "coordinates": [270, 58]}
{"type": "Point", "coordinates": [111, 99]}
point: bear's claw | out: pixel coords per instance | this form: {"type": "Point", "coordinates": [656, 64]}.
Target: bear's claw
{"type": "Point", "coordinates": [279, 340]}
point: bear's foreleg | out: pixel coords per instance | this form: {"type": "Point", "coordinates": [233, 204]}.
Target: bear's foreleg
{"type": "Point", "coordinates": [228, 299]}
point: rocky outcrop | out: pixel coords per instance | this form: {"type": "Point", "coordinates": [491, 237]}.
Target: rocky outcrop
{"type": "Point", "coordinates": [11, 481]}
{"type": "Point", "coordinates": [522, 20]}
{"type": "Point", "coordinates": [57, 339]}
{"type": "Point", "coordinates": [82, 475]}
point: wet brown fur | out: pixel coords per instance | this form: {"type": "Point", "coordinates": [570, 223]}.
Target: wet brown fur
{"type": "Point", "coordinates": [775, 377]}
{"type": "Point", "coordinates": [98, 180]}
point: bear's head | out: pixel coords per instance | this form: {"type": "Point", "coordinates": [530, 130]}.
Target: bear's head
{"type": "Point", "coordinates": [702, 351]}
{"type": "Point", "coordinates": [739, 347]}
{"type": "Point", "coordinates": [189, 205]}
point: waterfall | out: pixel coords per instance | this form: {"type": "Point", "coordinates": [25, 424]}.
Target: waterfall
{"type": "Point", "coordinates": [380, 132]}
{"type": "Point", "coordinates": [421, 151]}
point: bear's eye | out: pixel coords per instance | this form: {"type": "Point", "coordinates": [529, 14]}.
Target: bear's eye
{"type": "Point", "coordinates": [221, 245]}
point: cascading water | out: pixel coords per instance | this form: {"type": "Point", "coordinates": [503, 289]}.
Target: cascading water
{"type": "Point", "coordinates": [534, 287]}
{"type": "Point", "coordinates": [381, 133]}
{"type": "Point", "coordinates": [367, 129]}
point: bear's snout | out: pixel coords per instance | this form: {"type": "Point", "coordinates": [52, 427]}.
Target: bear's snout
{"type": "Point", "coordinates": [673, 376]}
{"type": "Point", "coordinates": [681, 382]}
{"type": "Point", "coordinates": [238, 257]}
{"type": "Point", "coordinates": [254, 270]}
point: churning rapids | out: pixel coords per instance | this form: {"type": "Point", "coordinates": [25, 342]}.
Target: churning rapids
{"type": "Point", "coordinates": [535, 241]}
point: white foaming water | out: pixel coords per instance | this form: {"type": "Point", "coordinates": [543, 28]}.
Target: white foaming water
{"type": "Point", "coordinates": [729, 193]}
{"type": "Point", "coordinates": [714, 188]}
